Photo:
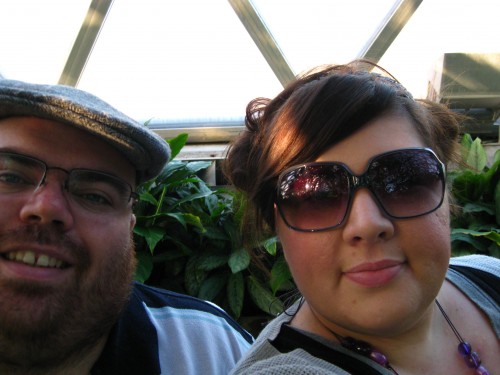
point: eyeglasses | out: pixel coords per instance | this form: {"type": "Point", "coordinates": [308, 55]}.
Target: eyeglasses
{"type": "Point", "coordinates": [405, 183]}
{"type": "Point", "coordinates": [90, 190]}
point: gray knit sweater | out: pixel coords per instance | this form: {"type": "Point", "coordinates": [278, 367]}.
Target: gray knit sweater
{"type": "Point", "coordinates": [263, 358]}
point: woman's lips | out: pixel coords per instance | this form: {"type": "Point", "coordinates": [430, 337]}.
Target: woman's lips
{"type": "Point", "coordinates": [374, 274]}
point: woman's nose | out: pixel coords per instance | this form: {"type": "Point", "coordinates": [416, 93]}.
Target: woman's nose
{"type": "Point", "coordinates": [366, 221]}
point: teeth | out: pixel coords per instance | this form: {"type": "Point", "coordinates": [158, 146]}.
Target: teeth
{"type": "Point", "coordinates": [29, 257]}
{"type": "Point", "coordinates": [43, 261]}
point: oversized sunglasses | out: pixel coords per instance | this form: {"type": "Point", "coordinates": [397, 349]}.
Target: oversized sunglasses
{"type": "Point", "coordinates": [405, 183]}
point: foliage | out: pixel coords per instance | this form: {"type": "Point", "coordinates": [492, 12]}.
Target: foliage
{"type": "Point", "coordinates": [188, 240]}
{"type": "Point", "coordinates": [476, 190]}
{"type": "Point", "coordinates": [188, 234]}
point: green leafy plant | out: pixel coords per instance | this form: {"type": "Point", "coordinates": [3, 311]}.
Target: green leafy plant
{"type": "Point", "coordinates": [476, 190]}
{"type": "Point", "coordinates": [188, 240]}
{"type": "Point", "coordinates": [188, 234]}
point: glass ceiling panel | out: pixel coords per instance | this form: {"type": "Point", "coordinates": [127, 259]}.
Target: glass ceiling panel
{"type": "Point", "coordinates": [37, 36]}
{"type": "Point", "coordinates": [177, 60]}
{"type": "Point", "coordinates": [319, 32]}
{"type": "Point", "coordinates": [193, 61]}
{"type": "Point", "coordinates": [438, 27]}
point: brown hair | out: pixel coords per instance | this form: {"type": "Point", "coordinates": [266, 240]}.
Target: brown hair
{"type": "Point", "coordinates": [317, 110]}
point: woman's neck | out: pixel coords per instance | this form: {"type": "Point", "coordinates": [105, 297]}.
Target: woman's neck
{"type": "Point", "coordinates": [430, 336]}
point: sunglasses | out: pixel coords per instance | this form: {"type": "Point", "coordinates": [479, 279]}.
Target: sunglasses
{"type": "Point", "coordinates": [405, 183]}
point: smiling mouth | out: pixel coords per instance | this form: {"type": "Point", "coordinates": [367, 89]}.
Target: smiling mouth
{"type": "Point", "coordinates": [32, 259]}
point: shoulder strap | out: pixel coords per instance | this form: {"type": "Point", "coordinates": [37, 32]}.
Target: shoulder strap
{"type": "Point", "coordinates": [290, 339]}
{"type": "Point", "coordinates": [488, 282]}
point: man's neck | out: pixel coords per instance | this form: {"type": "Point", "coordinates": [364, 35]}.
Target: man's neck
{"type": "Point", "coordinates": [81, 365]}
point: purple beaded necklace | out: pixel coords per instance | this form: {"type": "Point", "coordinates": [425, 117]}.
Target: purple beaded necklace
{"type": "Point", "coordinates": [470, 357]}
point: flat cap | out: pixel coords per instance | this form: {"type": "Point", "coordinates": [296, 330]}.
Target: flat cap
{"type": "Point", "coordinates": [145, 150]}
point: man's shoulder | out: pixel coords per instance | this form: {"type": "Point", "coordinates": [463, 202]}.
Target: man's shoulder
{"type": "Point", "coordinates": [165, 332]}
{"type": "Point", "coordinates": [155, 297]}
{"type": "Point", "coordinates": [187, 327]}
{"type": "Point", "coordinates": [176, 308]}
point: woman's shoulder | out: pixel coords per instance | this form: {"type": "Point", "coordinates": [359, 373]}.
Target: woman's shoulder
{"type": "Point", "coordinates": [267, 360]}
{"type": "Point", "coordinates": [477, 261]}
{"type": "Point", "coordinates": [477, 276]}
{"type": "Point", "coordinates": [264, 358]}
{"type": "Point", "coordinates": [281, 349]}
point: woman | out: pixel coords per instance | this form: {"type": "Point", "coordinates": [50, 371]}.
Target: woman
{"type": "Point", "coordinates": [348, 170]}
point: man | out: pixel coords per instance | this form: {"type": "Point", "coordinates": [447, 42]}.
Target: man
{"type": "Point", "coordinates": [69, 164]}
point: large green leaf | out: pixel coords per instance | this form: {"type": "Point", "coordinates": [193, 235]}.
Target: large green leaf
{"type": "Point", "coordinates": [210, 262]}
{"type": "Point", "coordinates": [270, 245]}
{"type": "Point", "coordinates": [144, 266]}
{"type": "Point", "coordinates": [239, 260]}
{"type": "Point", "coordinates": [194, 276]}
{"type": "Point", "coordinates": [263, 298]}
{"type": "Point", "coordinates": [466, 145]}
{"type": "Point", "coordinates": [479, 207]}
{"type": "Point", "coordinates": [469, 186]}
{"type": "Point", "coordinates": [280, 274]}
{"type": "Point", "coordinates": [185, 219]}
{"type": "Point", "coordinates": [473, 237]}
{"type": "Point", "coordinates": [233, 231]}
{"type": "Point", "coordinates": [212, 286]}
{"type": "Point", "coordinates": [496, 157]}
{"type": "Point", "coordinates": [477, 157]}
{"type": "Point", "coordinates": [195, 166]}
{"type": "Point", "coordinates": [492, 234]}
{"type": "Point", "coordinates": [192, 197]}
{"type": "Point", "coordinates": [148, 197]}
{"type": "Point", "coordinates": [236, 293]}
{"type": "Point", "coordinates": [497, 202]}
{"type": "Point", "coordinates": [152, 235]}
{"type": "Point", "coordinates": [177, 143]}
{"type": "Point", "coordinates": [470, 240]}
{"type": "Point", "coordinates": [215, 234]}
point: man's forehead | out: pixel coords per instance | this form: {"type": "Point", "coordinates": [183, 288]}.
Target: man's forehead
{"type": "Point", "coordinates": [147, 151]}
{"type": "Point", "coordinates": [65, 146]}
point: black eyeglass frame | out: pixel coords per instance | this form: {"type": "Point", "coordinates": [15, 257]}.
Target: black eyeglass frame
{"type": "Point", "coordinates": [358, 181]}
{"type": "Point", "coordinates": [133, 196]}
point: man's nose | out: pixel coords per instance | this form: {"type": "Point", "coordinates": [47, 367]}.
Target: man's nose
{"type": "Point", "coordinates": [48, 204]}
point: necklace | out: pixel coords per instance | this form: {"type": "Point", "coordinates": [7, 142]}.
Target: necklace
{"type": "Point", "coordinates": [470, 357]}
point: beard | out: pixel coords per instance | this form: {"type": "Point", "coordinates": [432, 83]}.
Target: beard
{"type": "Point", "coordinates": [44, 327]}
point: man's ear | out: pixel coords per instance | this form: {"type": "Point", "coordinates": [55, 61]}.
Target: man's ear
{"type": "Point", "coordinates": [133, 220]}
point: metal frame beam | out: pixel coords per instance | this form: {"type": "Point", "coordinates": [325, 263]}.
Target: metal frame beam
{"type": "Point", "coordinates": [84, 43]}
{"type": "Point", "coordinates": [264, 40]}
{"type": "Point", "coordinates": [388, 30]}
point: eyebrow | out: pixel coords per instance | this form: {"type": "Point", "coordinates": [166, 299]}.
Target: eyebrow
{"type": "Point", "coordinates": [15, 150]}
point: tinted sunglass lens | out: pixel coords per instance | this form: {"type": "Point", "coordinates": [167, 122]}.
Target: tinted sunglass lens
{"type": "Point", "coordinates": [314, 197]}
{"type": "Point", "coordinates": [408, 183]}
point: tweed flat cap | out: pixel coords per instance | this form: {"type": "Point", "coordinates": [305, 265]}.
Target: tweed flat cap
{"type": "Point", "coordinates": [145, 150]}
